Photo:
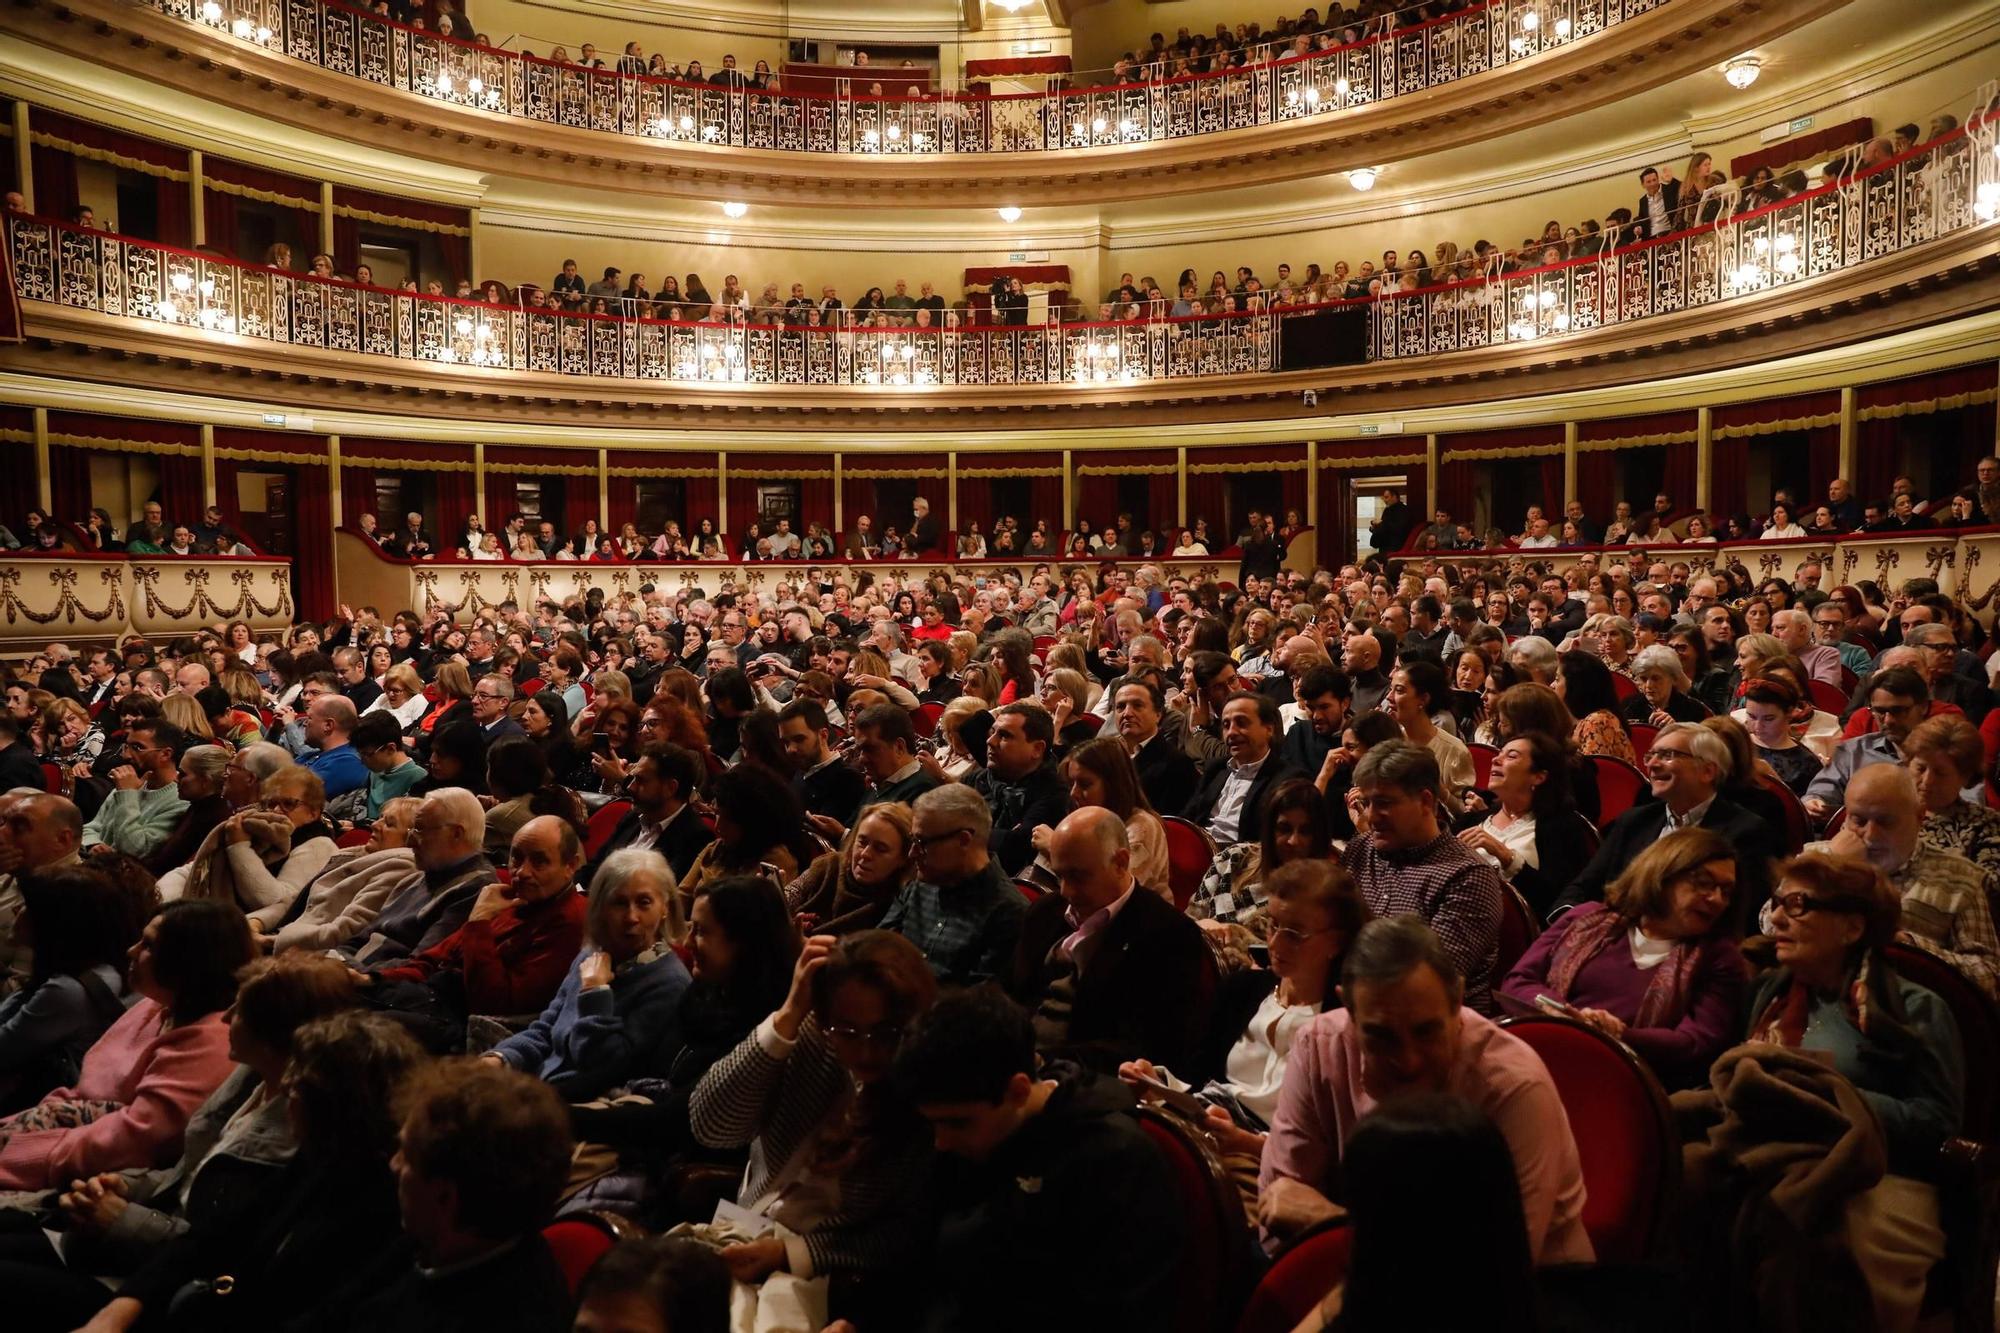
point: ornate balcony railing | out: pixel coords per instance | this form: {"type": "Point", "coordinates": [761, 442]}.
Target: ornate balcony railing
{"type": "Point", "coordinates": [1935, 189]}
{"type": "Point", "coordinates": [1409, 59]}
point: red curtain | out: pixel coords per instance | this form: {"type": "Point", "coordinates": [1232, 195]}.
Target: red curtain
{"type": "Point", "coordinates": [457, 251]}
{"type": "Point", "coordinates": [1208, 498]}
{"type": "Point", "coordinates": [975, 503]}
{"type": "Point", "coordinates": [1163, 504]}
{"type": "Point", "coordinates": [400, 207]}
{"type": "Point", "coordinates": [456, 498]}
{"type": "Point", "coordinates": [1097, 499]}
{"type": "Point", "coordinates": [173, 216]}
{"type": "Point", "coordinates": [218, 220]}
{"type": "Point", "coordinates": [816, 501]}
{"type": "Point", "coordinates": [1597, 483]}
{"type": "Point", "coordinates": [346, 244]}
{"type": "Point", "coordinates": [857, 497]}
{"type": "Point", "coordinates": [1678, 480]}
{"type": "Point", "coordinates": [1729, 477]}
{"type": "Point", "coordinates": [357, 497]}
{"type": "Point", "coordinates": [701, 504]}
{"type": "Point", "coordinates": [1729, 484]}
{"type": "Point", "coordinates": [312, 566]}
{"type": "Point", "coordinates": [225, 491]}
{"type": "Point", "coordinates": [1458, 483]}
{"type": "Point", "coordinates": [1552, 489]}
{"type": "Point", "coordinates": [580, 501]}
{"type": "Point", "coordinates": [69, 484]}
{"type": "Point", "coordinates": [623, 499]}
{"type": "Point", "coordinates": [499, 501]}
{"type": "Point", "coordinates": [180, 488]}
{"type": "Point", "coordinates": [55, 182]}
{"type": "Point", "coordinates": [1046, 495]}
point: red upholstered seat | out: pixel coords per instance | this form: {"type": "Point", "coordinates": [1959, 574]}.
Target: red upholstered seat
{"type": "Point", "coordinates": [576, 1246]}
{"type": "Point", "coordinates": [532, 684]}
{"type": "Point", "coordinates": [1518, 929]}
{"type": "Point", "coordinates": [52, 779]}
{"type": "Point", "coordinates": [1643, 735]}
{"type": "Point", "coordinates": [1298, 1280]}
{"type": "Point", "coordinates": [1827, 698]}
{"type": "Point", "coordinates": [354, 837]}
{"type": "Point", "coordinates": [1624, 687]}
{"type": "Point", "coordinates": [1624, 1132]}
{"type": "Point", "coordinates": [601, 825]}
{"type": "Point", "coordinates": [1482, 763]}
{"type": "Point", "coordinates": [1190, 852]}
{"type": "Point", "coordinates": [1796, 829]}
{"type": "Point", "coordinates": [1215, 1263]}
{"type": "Point", "coordinates": [1618, 786]}
{"type": "Point", "coordinates": [925, 717]}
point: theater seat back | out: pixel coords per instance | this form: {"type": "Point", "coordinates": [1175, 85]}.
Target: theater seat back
{"type": "Point", "coordinates": [602, 825]}
{"type": "Point", "coordinates": [1518, 929]}
{"type": "Point", "coordinates": [1297, 1281]}
{"type": "Point", "coordinates": [1978, 1022]}
{"type": "Point", "coordinates": [1618, 786]}
{"type": "Point", "coordinates": [1214, 1265]}
{"type": "Point", "coordinates": [1190, 852]}
{"type": "Point", "coordinates": [576, 1245]}
{"type": "Point", "coordinates": [1625, 1136]}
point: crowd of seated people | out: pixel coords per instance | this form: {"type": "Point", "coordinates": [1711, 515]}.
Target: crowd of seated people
{"type": "Point", "coordinates": [150, 534]}
{"type": "Point", "coordinates": [344, 961]}
{"type": "Point", "coordinates": [1668, 202]}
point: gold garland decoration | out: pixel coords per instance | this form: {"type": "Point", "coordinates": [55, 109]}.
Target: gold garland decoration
{"type": "Point", "coordinates": [391, 220]}
{"type": "Point", "coordinates": [1779, 427]}
{"type": "Point", "coordinates": [406, 464]}
{"type": "Point", "coordinates": [47, 140]}
{"type": "Point", "coordinates": [268, 456]}
{"type": "Point", "coordinates": [766, 474]}
{"type": "Point", "coordinates": [149, 580]}
{"type": "Point", "coordinates": [979, 473]}
{"type": "Point", "coordinates": [923, 473]}
{"type": "Point", "coordinates": [1637, 441]}
{"type": "Point", "coordinates": [106, 443]}
{"type": "Point", "coordinates": [64, 580]}
{"type": "Point", "coordinates": [649, 473]}
{"type": "Point", "coordinates": [1128, 469]}
{"type": "Point", "coordinates": [506, 469]}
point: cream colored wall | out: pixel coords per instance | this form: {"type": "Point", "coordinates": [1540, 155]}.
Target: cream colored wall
{"type": "Point", "coordinates": [539, 28]}
{"type": "Point", "coordinates": [1101, 32]}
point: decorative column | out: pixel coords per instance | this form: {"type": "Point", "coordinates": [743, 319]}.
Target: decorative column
{"type": "Point", "coordinates": [839, 517]}
{"type": "Point", "coordinates": [24, 180]}
{"type": "Point", "coordinates": [1431, 474]}
{"type": "Point", "coordinates": [1850, 433]}
{"type": "Point", "coordinates": [1312, 496]}
{"type": "Point", "coordinates": [472, 259]}
{"type": "Point", "coordinates": [1704, 457]}
{"type": "Point", "coordinates": [1069, 493]}
{"type": "Point", "coordinates": [338, 513]}
{"type": "Point", "coordinates": [722, 491]}
{"type": "Point", "coordinates": [208, 464]}
{"type": "Point", "coordinates": [950, 490]}
{"type": "Point", "coordinates": [45, 483]}
{"type": "Point", "coordinates": [479, 480]}
{"type": "Point", "coordinates": [1180, 482]}
{"type": "Point", "coordinates": [326, 217]}
{"type": "Point", "coordinates": [603, 487]}
{"type": "Point", "coordinates": [1569, 463]}
{"type": "Point", "coordinates": [198, 223]}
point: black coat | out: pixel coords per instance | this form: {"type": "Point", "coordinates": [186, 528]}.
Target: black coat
{"type": "Point", "coordinates": [1562, 845]}
{"type": "Point", "coordinates": [1202, 804]}
{"type": "Point", "coordinates": [835, 790]}
{"type": "Point", "coordinates": [1100, 1187]}
{"type": "Point", "coordinates": [1039, 798]}
{"type": "Point", "coordinates": [1639, 828]}
{"type": "Point", "coordinates": [680, 841]}
{"type": "Point", "coordinates": [1166, 774]}
{"type": "Point", "coordinates": [1146, 993]}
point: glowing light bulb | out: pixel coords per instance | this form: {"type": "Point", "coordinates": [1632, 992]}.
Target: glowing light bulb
{"type": "Point", "coordinates": [895, 132]}
{"type": "Point", "coordinates": [1517, 44]}
{"type": "Point", "coordinates": [870, 137]}
{"type": "Point", "coordinates": [211, 12]}
{"type": "Point", "coordinates": [1530, 21]}
{"type": "Point", "coordinates": [462, 327]}
{"type": "Point", "coordinates": [1562, 27]}
{"type": "Point", "coordinates": [1546, 300]}
{"type": "Point", "coordinates": [735, 208]}
{"type": "Point", "coordinates": [183, 282]}
{"type": "Point", "coordinates": [1124, 127]}
{"type": "Point", "coordinates": [206, 286]}
{"type": "Point", "coordinates": [1362, 178]}
{"type": "Point", "coordinates": [687, 123]}
{"type": "Point", "coordinates": [475, 86]}
{"type": "Point", "coordinates": [1097, 125]}
{"type": "Point", "coordinates": [263, 35]}
{"type": "Point", "coordinates": [240, 27]}
{"type": "Point", "coordinates": [1009, 213]}
{"type": "Point", "coordinates": [1312, 97]}
{"type": "Point", "coordinates": [444, 83]}
{"type": "Point", "coordinates": [1341, 86]}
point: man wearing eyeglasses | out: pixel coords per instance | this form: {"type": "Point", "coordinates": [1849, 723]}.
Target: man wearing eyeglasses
{"type": "Point", "coordinates": [1830, 631]}
{"type": "Point", "coordinates": [1685, 768]}
{"type": "Point", "coordinates": [1945, 897]}
{"type": "Point", "coordinates": [146, 802]}
{"type": "Point", "coordinates": [490, 700]}
{"type": "Point", "coordinates": [960, 910]}
{"type": "Point", "coordinates": [1898, 699]}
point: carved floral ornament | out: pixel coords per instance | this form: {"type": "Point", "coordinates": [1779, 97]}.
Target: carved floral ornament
{"type": "Point", "coordinates": [68, 608]}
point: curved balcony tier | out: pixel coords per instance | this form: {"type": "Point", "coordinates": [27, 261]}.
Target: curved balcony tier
{"type": "Point", "coordinates": [1495, 68]}
{"type": "Point", "coordinates": [1909, 242]}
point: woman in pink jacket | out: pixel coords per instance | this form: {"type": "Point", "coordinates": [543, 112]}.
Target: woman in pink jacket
{"type": "Point", "coordinates": [146, 1075]}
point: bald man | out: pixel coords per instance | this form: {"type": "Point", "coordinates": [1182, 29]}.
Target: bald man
{"type": "Point", "coordinates": [517, 945]}
{"type": "Point", "coordinates": [1361, 658]}
{"type": "Point", "coordinates": [329, 722]}
{"type": "Point", "coordinates": [1110, 974]}
{"type": "Point", "coordinates": [191, 678]}
{"type": "Point", "coordinates": [1945, 897]}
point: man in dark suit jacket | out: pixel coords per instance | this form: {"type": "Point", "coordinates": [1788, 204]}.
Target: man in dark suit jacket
{"type": "Point", "coordinates": [923, 536]}
{"type": "Point", "coordinates": [1391, 528]}
{"type": "Point", "coordinates": [413, 540]}
{"type": "Point", "coordinates": [1657, 205]}
{"type": "Point", "coordinates": [662, 781]}
{"type": "Point", "coordinates": [491, 696]}
{"type": "Point", "coordinates": [1110, 971]}
{"type": "Point", "coordinates": [1262, 554]}
{"type": "Point", "coordinates": [1138, 715]}
{"type": "Point", "coordinates": [1230, 800]}
{"type": "Point", "coordinates": [1685, 765]}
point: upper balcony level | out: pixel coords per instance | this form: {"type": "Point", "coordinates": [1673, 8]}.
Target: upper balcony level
{"type": "Point", "coordinates": [1907, 241]}
{"type": "Point", "coordinates": [1499, 66]}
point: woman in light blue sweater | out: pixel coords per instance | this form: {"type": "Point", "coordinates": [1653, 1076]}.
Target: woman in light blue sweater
{"type": "Point", "coordinates": [621, 999]}
{"type": "Point", "coordinates": [79, 923]}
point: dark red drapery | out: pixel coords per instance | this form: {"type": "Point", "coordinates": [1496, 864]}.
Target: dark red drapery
{"type": "Point", "coordinates": [55, 182]}
{"type": "Point", "coordinates": [312, 567]}
{"type": "Point", "coordinates": [580, 501]}
{"type": "Point", "coordinates": [218, 220]}
{"type": "Point", "coordinates": [357, 497]}
{"type": "Point", "coordinates": [173, 212]}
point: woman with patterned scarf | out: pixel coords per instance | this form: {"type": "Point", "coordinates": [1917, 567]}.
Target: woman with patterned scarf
{"type": "Point", "coordinates": [1836, 995]}
{"type": "Point", "coordinates": [1653, 965]}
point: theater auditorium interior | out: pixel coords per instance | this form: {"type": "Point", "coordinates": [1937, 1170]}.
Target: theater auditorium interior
{"type": "Point", "coordinates": [619, 624]}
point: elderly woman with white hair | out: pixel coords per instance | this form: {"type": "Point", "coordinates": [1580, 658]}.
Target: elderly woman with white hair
{"type": "Point", "coordinates": [622, 993]}
{"type": "Point", "coordinates": [1663, 686]}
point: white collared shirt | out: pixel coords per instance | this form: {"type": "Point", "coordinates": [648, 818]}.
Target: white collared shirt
{"type": "Point", "coordinates": [1225, 821]}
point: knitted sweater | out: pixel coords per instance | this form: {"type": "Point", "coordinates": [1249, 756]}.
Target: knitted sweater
{"type": "Point", "coordinates": [347, 896]}
{"type": "Point", "coordinates": [589, 1040]}
{"type": "Point", "coordinates": [510, 963]}
{"type": "Point", "coordinates": [155, 1074]}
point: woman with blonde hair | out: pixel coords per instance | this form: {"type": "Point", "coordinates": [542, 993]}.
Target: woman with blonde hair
{"type": "Point", "coordinates": [851, 887]}
{"type": "Point", "coordinates": [71, 740]}
{"type": "Point", "coordinates": [185, 713]}
{"type": "Point", "coordinates": [1068, 695]}
{"type": "Point", "coordinates": [958, 759]}
{"type": "Point", "coordinates": [402, 696]}
{"type": "Point", "coordinates": [454, 690]}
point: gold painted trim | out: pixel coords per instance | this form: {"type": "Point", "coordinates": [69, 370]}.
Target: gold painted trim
{"type": "Point", "coordinates": [1922, 406]}
{"type": "Point", "coordinates": [48, 140]}
{"type": "Point", "coordinates": [1520, 451]}
{"type": "Point", "coordinates": [391, 220]}
{"type": "Point", "coordinates": [1638, 441]}
{"type": "Point", "coordinates": [1777, 427]}
{"type": "Point", "coordinates": [261, 196]}
{"type": "Point", "coordinates": [1296, 465]}
{"type": "Point", "coordinates": [1380, 460]}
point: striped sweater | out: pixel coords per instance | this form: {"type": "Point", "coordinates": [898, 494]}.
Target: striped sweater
{"type": "Point", "coordinates": [775, 1096]}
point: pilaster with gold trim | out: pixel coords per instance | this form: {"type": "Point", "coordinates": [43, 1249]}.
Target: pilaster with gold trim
{"type": "Point", "coordinates": [722, 492]}
{"type": "Point", "coordinates": [950, 490]}
{"type": "Point", "coordinates": [1569, 463]}
{"type": "Point", "coordinates": [207, 463]}
{"type": "Point", "coordinates": [1180, 487]}
{"type": "Point", "coordinates": [479, 480]}
{"type": "Point", "coordinates": [839, 485]}
{"type": "Point", "coordinates": [603, 486]}
{"type": "Point", "coordinates": [1850, 432]}
{"type": "Point", "coordinates": [1704, 456]}
{"type": "Point", "coordinates": [198, 216]}
{"type": "Point", "coordinates": [45, 483]}
{"type": "Point", "coordinates": [1431, 474]}
{"type": "Point", "coordinates": [326, 217]}
{"type": "Point", "coordinates": [1069, 491]}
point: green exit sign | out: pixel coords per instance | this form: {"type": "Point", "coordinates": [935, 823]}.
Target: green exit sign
{"type": "Point", "coordinates": [1371, 430]}
{"type": "Point", "coordinates": [1800, 126]}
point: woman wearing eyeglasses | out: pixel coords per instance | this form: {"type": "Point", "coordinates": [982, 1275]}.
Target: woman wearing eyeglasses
{"type": "Point", "coordinates": [1313, 912]}
{"type": "Point", "coordinates": [838, 1160]}
{"type": "Point", "coordinates": [1654, 964]}
{"type": "Point", "coordinates": [1835, 993]}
